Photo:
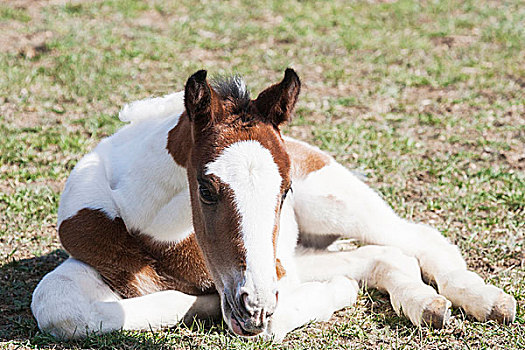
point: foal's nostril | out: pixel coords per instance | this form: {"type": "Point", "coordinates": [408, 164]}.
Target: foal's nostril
{"type": "Point", "coordinates": [245, 303]}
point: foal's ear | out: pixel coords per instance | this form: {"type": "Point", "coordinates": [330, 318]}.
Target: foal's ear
{"type": "Point", "coordinates": [277, 102]}
{"type": "Point", "coordinates": [197, 98]}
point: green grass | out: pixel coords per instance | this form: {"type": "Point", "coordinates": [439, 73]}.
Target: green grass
{"type": "Point", "coordinates": [8, 13]}
{"type": "Point", "coordinates": [426, 99]}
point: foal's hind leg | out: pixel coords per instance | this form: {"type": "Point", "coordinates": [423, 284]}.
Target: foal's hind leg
{"type": "Point", "coordinates": [332, 200]}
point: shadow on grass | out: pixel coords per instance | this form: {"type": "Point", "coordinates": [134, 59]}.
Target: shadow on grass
{"type": "Point", "coordinates": [18, 279]}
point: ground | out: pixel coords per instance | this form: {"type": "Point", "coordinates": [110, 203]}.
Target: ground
{"type": "Point", "coordinates": [426, 99]}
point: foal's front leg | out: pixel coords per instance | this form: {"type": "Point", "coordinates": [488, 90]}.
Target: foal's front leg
{"type": "Point", "coordinates": [159, 310]}
{"type": "Point", "coordinates": [73, 301]}
{"type": "Point", "coordinates": [310, 301]}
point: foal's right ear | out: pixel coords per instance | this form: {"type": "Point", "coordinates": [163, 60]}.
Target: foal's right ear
{"type": "Point", "coordinates": [197, 98]}
{"type": "Point", "coordinates": [276, 103]}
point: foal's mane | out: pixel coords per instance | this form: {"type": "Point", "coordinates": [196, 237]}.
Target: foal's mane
{"type": "Point", "coordinates": [232, 88]}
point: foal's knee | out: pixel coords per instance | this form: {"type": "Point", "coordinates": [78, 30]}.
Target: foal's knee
{"type": "Point", "coordinates": [388, 259]}
{"type": "Point", "coordinates": [54, 312]}
{"type": "Point", "coordinates": [434, 252]}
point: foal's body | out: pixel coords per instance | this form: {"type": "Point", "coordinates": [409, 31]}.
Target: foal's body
{"type": "Point", "coordinates": [126, 218]}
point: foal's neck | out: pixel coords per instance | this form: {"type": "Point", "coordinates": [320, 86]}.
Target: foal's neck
{"type": "Point", "coordinates": [180, 140]}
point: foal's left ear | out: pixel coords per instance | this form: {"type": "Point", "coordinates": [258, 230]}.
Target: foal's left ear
{"type": "Point", "coordinates": [277, 102]}
{"type": "Point", "coordinates": [198, 99]}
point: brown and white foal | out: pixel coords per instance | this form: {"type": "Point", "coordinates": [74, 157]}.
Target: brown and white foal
{"type": "Point", "coordinates": [184, 212]}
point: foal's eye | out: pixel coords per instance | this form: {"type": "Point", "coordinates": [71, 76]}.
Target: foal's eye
{"type": "Point", "coordinates": [206, 196]}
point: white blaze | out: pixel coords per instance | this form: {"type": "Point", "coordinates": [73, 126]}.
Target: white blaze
{"type": "Point", "coordinates": [250, 171]}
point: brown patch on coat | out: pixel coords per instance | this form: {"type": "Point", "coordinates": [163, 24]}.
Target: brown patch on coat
{"type": "Point", "coordinates": [180, 264]}
{"type": "Point", "coordinates": [219, 238]}
{"type": "Point", "coordinates": [305, 159]}
{"type": "Point", "coordinates": [133, 264]}
{"type": "Point", "coordinates": [281, 272]}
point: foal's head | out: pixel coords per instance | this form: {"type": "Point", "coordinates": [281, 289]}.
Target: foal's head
{"type": "Point", "coordinates": [239, 174]}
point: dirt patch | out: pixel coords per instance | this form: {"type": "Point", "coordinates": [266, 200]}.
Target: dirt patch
{"type": "Point", "coordinates": [515, 158]}
{"type": "Point", "coordinates": [24, 38]}
{"type": "Point", "coordinates": [451, 41]}
{"type": "Point", "coordinates": [422, 95]}
{"type": "Point", "coordinates": [29, 45]}
{"type": "Point", "coordinates": [154, 19]}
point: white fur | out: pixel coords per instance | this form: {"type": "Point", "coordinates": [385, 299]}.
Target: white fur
{"type": "Point", "coordinates": [250, 171]}
{"type": "Point", "coordinates": [63, 301]}
{"type": "Point", "coordinates": [310, 301]}
{"type": "Point", "coordinates": [158, 107]}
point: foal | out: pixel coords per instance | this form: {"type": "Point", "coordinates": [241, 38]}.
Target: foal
{"type": "Point", "coordinates": [194, 209]}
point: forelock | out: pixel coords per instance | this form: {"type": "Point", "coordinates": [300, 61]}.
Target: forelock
{"type": "Point", "coordinates": [232, 88]}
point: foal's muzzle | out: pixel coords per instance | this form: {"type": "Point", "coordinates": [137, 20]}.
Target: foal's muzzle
{"type": "Point", "coordinates": [250, 311]}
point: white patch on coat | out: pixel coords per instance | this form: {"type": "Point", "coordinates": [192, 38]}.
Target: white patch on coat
{"type": "Point", "coordinates": [131, 175]}
{"type": "Point", "coordinates": [250, 171]}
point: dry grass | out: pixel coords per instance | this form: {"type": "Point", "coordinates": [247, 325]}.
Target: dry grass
{"type": "Point", "coordinates": [424, 98]}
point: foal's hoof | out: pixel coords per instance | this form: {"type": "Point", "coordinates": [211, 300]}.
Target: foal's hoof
{"type": "Point", "coordinates": [436, 313]}
{"type": "Point", "coordinates": [504, 310]}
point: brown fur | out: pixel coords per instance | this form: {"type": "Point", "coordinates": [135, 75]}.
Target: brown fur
{"type": "Point", "coordinates": [305, 160]}
{"type": "Point", "coordinates": [180, 141]}
{"type": "Point", "coordinates": [276, 103]}
{"type": "Point", "coordinates": [281, 272]}
{"type": "Point", "coordinates": [133, 264]}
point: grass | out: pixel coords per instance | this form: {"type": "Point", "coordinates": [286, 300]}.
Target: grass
{"type": "Point", "coordinates": [425, 99]}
